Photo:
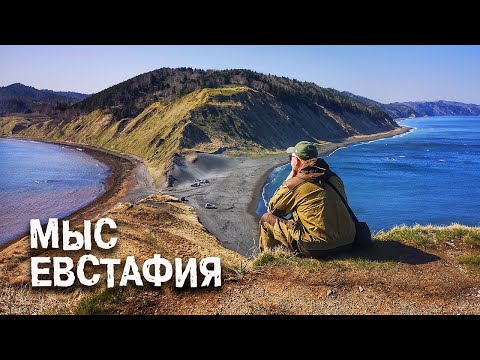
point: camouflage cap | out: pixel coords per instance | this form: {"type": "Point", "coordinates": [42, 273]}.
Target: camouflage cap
{"type": "Point", "coordinates": [304, 150]}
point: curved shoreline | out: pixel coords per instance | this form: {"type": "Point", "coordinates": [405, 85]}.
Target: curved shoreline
{"type": "Point", "coordinates": [322, 151]}
{"type": "Point", "coordinates": [235, 185]}
{"type": "Point", "coordinates": [118, 184]}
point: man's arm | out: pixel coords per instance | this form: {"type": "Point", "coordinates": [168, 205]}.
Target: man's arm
{"type": "Point", "coordinates": [282, 202]}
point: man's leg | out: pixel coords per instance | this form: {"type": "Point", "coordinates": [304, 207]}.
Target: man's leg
{"type": "Point", "coordinates": [273, 231]}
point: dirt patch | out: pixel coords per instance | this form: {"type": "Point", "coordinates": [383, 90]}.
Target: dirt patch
{"type": "Point", "coordinates": [424, 282]}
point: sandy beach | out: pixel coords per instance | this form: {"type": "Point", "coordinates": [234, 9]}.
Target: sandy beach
{"type": "Point", "coordinates": [234, 187]}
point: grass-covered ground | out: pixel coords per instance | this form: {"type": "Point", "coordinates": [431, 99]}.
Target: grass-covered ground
{"type": "Point", "coordinates": [406, 266]}
{"type": "Point", "coordinates": [430, 236]}
{"type": "Point", "coordinates": [390, 248]}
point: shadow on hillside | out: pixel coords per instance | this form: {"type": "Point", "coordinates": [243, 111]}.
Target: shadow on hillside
{"type": "Point", "coordinates": [389, 250]}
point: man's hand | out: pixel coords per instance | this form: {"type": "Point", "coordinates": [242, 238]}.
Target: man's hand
{"type": "Point", "coordinates": [291, 175]}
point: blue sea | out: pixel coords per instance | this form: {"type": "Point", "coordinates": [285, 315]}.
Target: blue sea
{"type": "Point", "coordinates": [430, 175]}
{"type": "Point", "coordinates": [40, 180]}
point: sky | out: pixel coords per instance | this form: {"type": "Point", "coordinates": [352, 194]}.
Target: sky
{"type": "Point", "coordinates": [383, 73]}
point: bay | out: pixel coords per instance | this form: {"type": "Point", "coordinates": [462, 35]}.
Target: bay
{"type": "Point", "coordinates": [41, 180]}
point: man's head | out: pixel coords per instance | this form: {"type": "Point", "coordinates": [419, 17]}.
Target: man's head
{"type": "Point", "coordinates": [304, 150]}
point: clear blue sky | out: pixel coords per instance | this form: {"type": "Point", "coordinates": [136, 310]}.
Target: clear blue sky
{"type": "Point", "coordinates": [383, 73]}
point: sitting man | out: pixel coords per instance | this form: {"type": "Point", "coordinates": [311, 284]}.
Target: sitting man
{"type": "Point", "coordinates": [321, 224]}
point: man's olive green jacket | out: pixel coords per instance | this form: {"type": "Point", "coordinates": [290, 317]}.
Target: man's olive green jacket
{"type": "Point", "coordinates": [322, 219]}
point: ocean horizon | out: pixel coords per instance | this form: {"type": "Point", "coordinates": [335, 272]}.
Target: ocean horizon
{"type": "Point", "coordinates": [426, 176]}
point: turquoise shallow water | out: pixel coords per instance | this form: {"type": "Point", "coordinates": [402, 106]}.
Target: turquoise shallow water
{"type": "Point", "coordinates": [39, 180]}
{"type": "Point", "coordinates": [428, 176]}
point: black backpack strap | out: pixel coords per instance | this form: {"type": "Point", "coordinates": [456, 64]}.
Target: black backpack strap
{"type": "Point", "coordinates": [352, 214]}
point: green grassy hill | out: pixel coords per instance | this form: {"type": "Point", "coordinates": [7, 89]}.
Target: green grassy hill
{"type": "Point", "coordinates": [145, 117]}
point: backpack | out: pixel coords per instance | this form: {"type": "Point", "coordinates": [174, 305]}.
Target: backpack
{"type": "Point", "coordinates": [363, 235]}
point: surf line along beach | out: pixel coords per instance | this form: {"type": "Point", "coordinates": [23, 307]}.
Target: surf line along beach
{"type": "Point", "coordinates": [235, 186]}
{"type": "Point", "coordinates": [129, 180]}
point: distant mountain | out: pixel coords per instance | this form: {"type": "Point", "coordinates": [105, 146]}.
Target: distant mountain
{"type": "Point", "coordinates": [421, 108]}
{"type": "Point", "coordinates": [432, 108]}
{"type": "Point", "coordinates": [19, 98]}
{"type": "Point", "coordinates": [165, 113]}
{"type": "Point", "coordinates": [69, 94]}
